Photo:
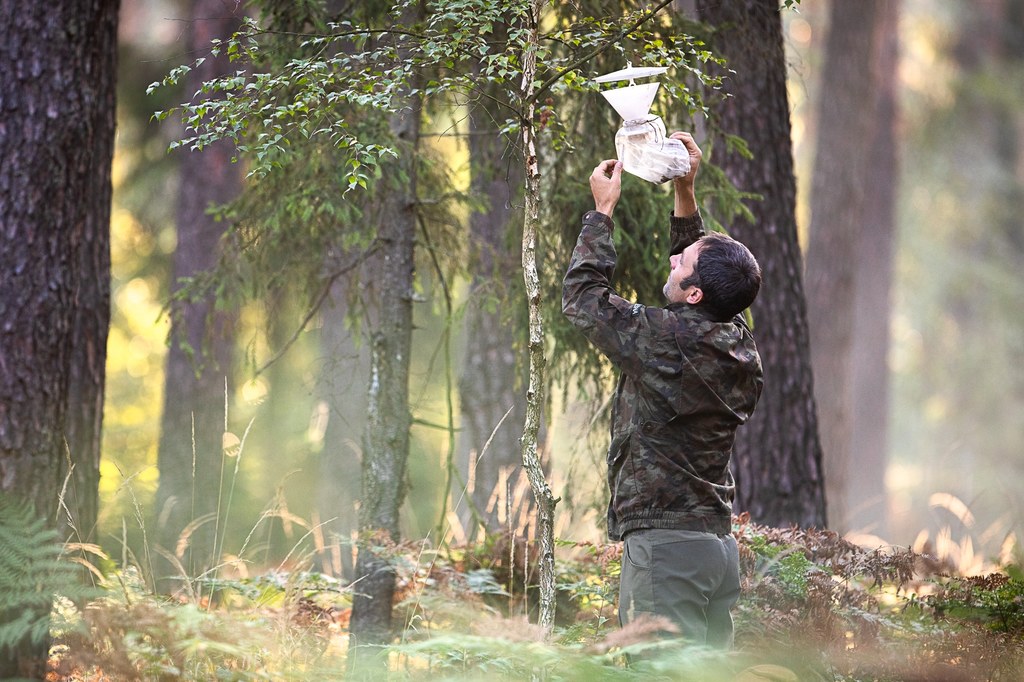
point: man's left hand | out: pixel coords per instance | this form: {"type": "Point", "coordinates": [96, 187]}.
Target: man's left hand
{"type": "Point", "coordinates": [606, 185]}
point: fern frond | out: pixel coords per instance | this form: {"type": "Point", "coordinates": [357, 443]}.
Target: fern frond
{"type": "Point", "coordinates": [33, 571]}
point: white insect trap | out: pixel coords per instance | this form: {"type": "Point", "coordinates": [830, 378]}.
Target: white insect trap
{"type": "Point", "coordinates": [641, 143]}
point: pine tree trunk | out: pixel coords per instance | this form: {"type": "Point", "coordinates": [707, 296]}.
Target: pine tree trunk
{"type": "Point", "coordinates": [58, 69]}
{"type": "Point", "coordinates": [87, 380]}
{"type": "Point", "coordinates": [86, 383]}
{"type": "Point", "coordinates": [777, 460]}
{"type": "Point", "coordinates": [868, 506]}
{"type": "Point", "coordinates": [846, 120]}
{"type": "Point", "coordinates": [190, 455]}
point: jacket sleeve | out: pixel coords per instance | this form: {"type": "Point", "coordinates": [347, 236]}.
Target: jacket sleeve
{"type": "Point", "coordinates": [684, 231]}
{"type": "Point", "coordinates": [617, 327]}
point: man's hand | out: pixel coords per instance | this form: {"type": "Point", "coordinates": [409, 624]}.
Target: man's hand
{"type": "Point", "coordinates": [606, 185]}
{"type": "Point", "coordinates": [686, 200]}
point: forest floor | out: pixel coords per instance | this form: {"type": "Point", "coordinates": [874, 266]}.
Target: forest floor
{"type": "Point", "coordinates": [814, 607]}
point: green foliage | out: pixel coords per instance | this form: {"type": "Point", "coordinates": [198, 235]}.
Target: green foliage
{"type": "Point", "coordinates": [518, 655]}
{"type": "Point", "coordinates": [307, 91]}
{"type": "Point", "coordinates": [482, 581]}
{"type": "Point", "coordinates": [788, 565]}
{"type": "Point", "coordinates": [813, 606]}
{"type": "Point", "coordinates": [995, 601]}
{"type": "Point", "coordinates": [725, 202]}
{"type": "Point", "coordinates": [372, 66]}
{"type": "Point", "coordinates": [265, 112]}
{"type": "Point", "coordinates": [273, 628]}
{"type": "Point", "coordinates": [33, 572]}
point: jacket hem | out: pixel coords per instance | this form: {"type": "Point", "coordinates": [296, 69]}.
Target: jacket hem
{"type": "Point", "coordinates": [719, 525]}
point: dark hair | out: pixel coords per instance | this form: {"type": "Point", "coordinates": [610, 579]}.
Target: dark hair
{"type": "Point", "coordinates": [729, 276]}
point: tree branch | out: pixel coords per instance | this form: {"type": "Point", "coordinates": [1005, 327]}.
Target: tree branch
{"type": "Point", "coordinates": [315, 307]}
{"type": "Point", "coordinates": [546, 85]}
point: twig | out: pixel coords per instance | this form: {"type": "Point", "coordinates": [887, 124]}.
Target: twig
{"type": "Point", "coordinates": [315, 307]}
{"type": "Point", "coordinates": [599, 50]}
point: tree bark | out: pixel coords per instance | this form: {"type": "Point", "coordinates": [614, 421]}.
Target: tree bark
{"type": "Point", "coordinates": [386, 436]}
{"type": "Point", "coordinates": [846, 115]}
{"type": "Point", "coordinates": [777, 461]}
{"type": "Point", "coordinates": [868, 507]}
{"type": "Point", "coordinates": [190, 455]}
{"type": "Point", "coordinates": [58, 69]}
{"type": "Point", "coordinates": [87, 380]}
{"type": "Point", "coordinates": [535, 393]}
{"type": "Point", "coordinates": [386, 441]}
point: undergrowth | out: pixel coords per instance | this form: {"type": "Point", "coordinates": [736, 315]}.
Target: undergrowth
{"type": "Point", "coordinates": [814, 607]}
{"type": "Point", "coordinates": [35, 570]}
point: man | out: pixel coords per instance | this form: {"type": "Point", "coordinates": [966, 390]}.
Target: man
{"type": "Point", "coordinates": [689, 375]}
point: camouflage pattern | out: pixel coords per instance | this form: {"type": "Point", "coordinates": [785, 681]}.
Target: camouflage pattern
{"type": "Point", "coordinates": [685, 384]}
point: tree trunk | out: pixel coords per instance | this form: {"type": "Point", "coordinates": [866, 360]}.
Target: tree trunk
{"type": "Point", "coordinates": [838, 211]}
{"type": "Point", "coordinates": [490, 383]}
{"type": "Point", "coordinates": [535, 393]}
{"type": "Point", "coordinates": [87, 379]}
{"type": "Point", "coordinates": [190, 455]}
{"type": "Point", "coordinates": [386, 443]}
{"type": "Point", "coordinates": [86, 383]}
{"type": "Point", "coordinates": [777, 460]}
{"type": "Point", "coordinates": [868, 507]}
{"type": "Point", "coordinates": [58, 68]}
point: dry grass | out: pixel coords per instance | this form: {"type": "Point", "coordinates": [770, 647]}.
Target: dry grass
{"type": "Point", "coordinates": [815, 606]}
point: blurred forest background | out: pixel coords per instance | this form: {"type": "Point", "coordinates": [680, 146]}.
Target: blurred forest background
{"type": "Point", "coordinates": [257, 417]}
{"type": "Point", "coordinates": [952, 460]}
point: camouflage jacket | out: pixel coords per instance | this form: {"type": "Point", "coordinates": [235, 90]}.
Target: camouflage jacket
{"type": "Point", "coordinates": [685, 384]}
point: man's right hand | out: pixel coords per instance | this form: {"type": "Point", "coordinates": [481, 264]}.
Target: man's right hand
{"type": "Point", "coordinates": [606, 185]}
{"type": "Point", "coordinates": [686, 200]}
{"type": "Point", "coordinates": [695, 155]}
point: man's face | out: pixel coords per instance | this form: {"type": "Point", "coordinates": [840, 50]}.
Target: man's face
{"type": "Point", "coordinates": [683, 265]}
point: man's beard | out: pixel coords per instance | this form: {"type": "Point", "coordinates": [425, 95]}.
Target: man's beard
{"type": "Point", "coordinates": [687, 282]}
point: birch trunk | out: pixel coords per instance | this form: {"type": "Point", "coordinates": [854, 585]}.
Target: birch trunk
{"type": "Point", "coordinates": [535, 393]}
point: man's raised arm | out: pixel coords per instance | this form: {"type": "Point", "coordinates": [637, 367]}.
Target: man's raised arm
{"type": "Point", "coordinates": [686, 223]}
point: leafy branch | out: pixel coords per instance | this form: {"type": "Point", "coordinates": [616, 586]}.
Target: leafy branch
{"type": "Point", "coordinates": [358, 66]}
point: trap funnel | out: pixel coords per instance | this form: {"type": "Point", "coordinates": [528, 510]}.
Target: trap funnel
{"type": "Point", "coordinates": [632, 102]}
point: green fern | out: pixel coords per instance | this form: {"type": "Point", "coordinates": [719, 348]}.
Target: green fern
{"type": "Point", "coordinates": [32, 573]}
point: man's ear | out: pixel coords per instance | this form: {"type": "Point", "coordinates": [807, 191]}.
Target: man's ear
{"type": "Point", "coordinates": [695, 296]}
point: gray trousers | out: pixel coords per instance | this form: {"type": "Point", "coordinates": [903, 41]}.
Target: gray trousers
{"type": "Point", "coordinates": [690, 577]}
